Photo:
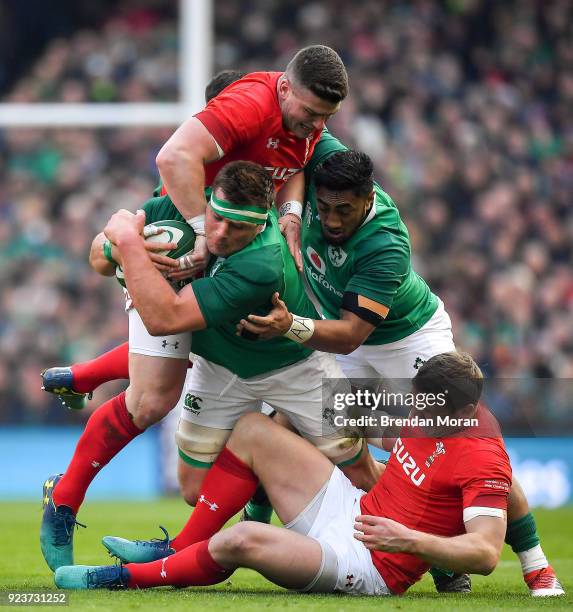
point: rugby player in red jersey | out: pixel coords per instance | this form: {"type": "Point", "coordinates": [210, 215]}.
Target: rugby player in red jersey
{"type": "Point", "coordinates": [271, 118]}
{"type": "Point", "coordinates": [441, 500]}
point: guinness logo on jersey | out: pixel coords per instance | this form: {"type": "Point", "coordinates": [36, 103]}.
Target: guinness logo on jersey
{"type": "Point", "coordinates": [316, 259]}
{"type": "Point", "coordinates": [336, 255]}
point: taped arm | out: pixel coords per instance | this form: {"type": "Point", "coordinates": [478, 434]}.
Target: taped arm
{"type": "Point", "coordinates": [340, 336]}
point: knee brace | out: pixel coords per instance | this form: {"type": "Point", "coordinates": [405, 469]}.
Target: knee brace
{"type": "Point", "coordinates": [199, 445]}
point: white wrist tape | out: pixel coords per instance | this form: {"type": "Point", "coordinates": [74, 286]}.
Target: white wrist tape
{"type": "Point", "coordinates": [185, 262]}
{"type": "Point", "coordinates": [301, 329]}
{"type": "Point", "coordinates": [198, 224]}
{"type": "Point", "coordinates": [151, 230]}
{"type": "Point", "coordinates": [292, 207]}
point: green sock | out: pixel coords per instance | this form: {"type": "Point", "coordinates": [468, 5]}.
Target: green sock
{"type": "Point", "coordinates": [259, 512]}
{"type": "Point", "coordinates": [522, 534]}
{"type": "Point", "coordinates": [437, 572]}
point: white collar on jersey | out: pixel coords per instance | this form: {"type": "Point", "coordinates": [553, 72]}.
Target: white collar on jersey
{"type": "Point", "coordinates": [371, 214]}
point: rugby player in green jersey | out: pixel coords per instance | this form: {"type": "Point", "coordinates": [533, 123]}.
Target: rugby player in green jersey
{"type": "Point", "coordinates": [377, 313]}
{"type": "Point", "coordinates": [231, 375]}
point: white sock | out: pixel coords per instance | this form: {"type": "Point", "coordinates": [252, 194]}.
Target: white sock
{"type": "Point", "coordinates": [532, 559]}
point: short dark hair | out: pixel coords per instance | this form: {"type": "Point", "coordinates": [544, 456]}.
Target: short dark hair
{"type": "Point", "coordinates": [320, 69]}
{"type": "Point", "coordinates": [221, 80]}
{"type": "Point", "coordinates": [245, 183]}
{"type": "Point", "coordinates": [346, 171]}
{"type": "Point", "coordinates": [453, 373]}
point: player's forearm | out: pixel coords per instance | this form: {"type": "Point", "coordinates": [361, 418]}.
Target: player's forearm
{"type": "Point", "coordinates": [334, 337]}
{"type": "Point", "coordinates": [97, 258]}
{"type": "Point", "coordinates": [293, 189]}
{"type": "Point", "coordinates": [152, 295]}
{"type": "Point", "coordinates": [468, 553]}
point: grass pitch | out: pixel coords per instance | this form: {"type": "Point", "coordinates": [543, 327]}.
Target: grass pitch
{"type": "Point", "coordinates": [22, 567]}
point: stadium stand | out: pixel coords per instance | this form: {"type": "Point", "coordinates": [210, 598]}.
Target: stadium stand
{"type": "Point", "coordinates": [466, 107]}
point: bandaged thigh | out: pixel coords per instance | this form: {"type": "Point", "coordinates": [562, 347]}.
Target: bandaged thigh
{"type": "Point", "coordinates": [199, 445]}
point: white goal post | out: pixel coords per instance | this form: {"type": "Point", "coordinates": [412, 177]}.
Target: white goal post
{"type": "Point", "coordinates": [195, 66]}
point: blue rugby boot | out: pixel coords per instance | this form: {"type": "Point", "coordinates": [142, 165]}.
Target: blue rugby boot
{"type": "Point", "coordinates": [57, 530]}
{"type": "Point", "coordinates": [91, 577]}
{"type": "Point", "coordinates": [60, 382]}
{"type": "Point", "coordinates": [139, 551]}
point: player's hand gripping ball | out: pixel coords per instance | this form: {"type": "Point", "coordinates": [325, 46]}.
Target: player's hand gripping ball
{"type": "Point", "coordinates": [177, 232]}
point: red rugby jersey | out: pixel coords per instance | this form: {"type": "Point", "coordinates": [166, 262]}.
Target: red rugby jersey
{"type": "Point", "coordinates": [245, 119]}
{"type": "Point", "coordinates": [426, 486]}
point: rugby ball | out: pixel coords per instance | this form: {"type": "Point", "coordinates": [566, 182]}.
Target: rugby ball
{"type": "Point", "coordinates": [173, 231]}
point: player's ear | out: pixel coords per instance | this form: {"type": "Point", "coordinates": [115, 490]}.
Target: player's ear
{"type": "Point", "coordinates": [467, 412]}
{"type": "Point", "coordinates": [371, 198]}
{"type": "Point", "coordinates": [283, 86]}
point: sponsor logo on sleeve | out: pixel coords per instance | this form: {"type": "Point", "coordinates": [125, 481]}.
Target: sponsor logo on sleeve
{"type": "Point", "coordinates": [498, 485]}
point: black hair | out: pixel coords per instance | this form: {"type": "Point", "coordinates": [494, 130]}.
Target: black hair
{"type": "Point", "coordinates": [319, 69]}
{"type": "Point", "coordinates": [346, 171]}
{"type": "Point", "coordinates": [220, 81]}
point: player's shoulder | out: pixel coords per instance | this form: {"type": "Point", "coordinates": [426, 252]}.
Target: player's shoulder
{"type": "Point", "coordinates": [383, 228]}
{"type": "Point", "coordinates": [477, 455]}
{"type": "Point", "coordinates": [259, 87]}
{"type": "Point", "coordinates": [251, 101]}
{"type": "Point", "coordinates": [388, 248]}
{"type": "Point", "coordinates": [161, 208]}
{"type": "Point", "coordinates": [327, 145]}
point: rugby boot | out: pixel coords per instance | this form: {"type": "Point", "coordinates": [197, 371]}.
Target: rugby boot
{"type": "Point", "coordinates": [57, 530]}
{"type": "Point", "coordinates": [60, 382]}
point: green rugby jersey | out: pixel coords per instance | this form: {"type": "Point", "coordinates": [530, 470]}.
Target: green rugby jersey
{"type": "Point", "coordinates": [243, 284]}
{"type": "Point", "coordinates": [374, 262]}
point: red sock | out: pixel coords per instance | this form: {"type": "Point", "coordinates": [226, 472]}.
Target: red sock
{"type": "Point", "coordinates": [193, 566]}
{"type": "Point", "coordinates": [107, 431]}
{"type": "Point", "coordinates": [112, 365]}
{"type": "Point", "coordinates": [228, 486]}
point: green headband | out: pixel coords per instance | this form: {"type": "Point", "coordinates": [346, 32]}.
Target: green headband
{"type": "Point", "coordinates": [248, 214]}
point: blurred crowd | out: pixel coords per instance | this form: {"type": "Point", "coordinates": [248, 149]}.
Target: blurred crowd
{"type": "Point", "coordinates": [132, 57]}
{"type": "Point", "coordinates": [466, 106]}
{"type": "Point", "coordinates": [59, 189]}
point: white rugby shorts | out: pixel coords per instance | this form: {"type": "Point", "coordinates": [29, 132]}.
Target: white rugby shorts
{"type": "Point", "coordinates": [347, 565]}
